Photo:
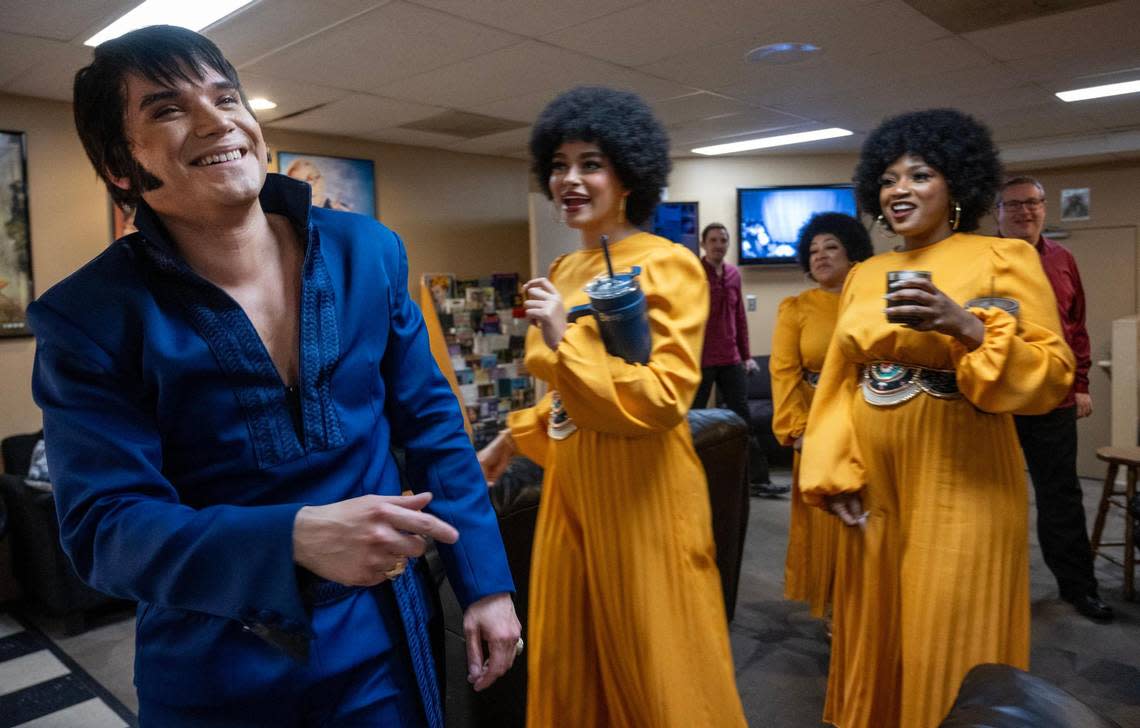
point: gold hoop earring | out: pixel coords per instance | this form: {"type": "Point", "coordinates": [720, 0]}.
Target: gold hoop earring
{"type": "Point", "coordinates": [621, 211]}
{"type": "Point", "coordinates": [886, 226]}
{"type": "Point", "coordinates": [957, 217]}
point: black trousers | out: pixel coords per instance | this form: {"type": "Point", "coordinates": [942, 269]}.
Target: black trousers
{"type": "Point", "coordinates": [732, 384]}
{"type": "Point", "coordinates": [1049, 442]}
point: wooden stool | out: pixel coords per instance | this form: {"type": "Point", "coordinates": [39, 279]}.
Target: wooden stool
{"type": "Point", "coordinates": [1115, 457]}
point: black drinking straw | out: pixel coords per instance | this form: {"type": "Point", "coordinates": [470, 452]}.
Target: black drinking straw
{"type": "Point", "coordinates": [606, 252]}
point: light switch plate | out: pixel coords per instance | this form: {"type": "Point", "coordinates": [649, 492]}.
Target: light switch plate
{"type": "Point", "coordinates": [751, 299]}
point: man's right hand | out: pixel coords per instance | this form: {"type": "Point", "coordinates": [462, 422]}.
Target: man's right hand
{"type": "Point", "coordinates": [357, 541]}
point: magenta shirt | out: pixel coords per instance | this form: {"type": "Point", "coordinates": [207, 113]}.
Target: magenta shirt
{"type": "Point", "coordinates": [726, 336]}
{"type": "Point", "coordinates": [1061, 269]}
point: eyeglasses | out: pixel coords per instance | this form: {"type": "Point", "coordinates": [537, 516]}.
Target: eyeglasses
{"type": "Point", "coordinates": [1033, 203]}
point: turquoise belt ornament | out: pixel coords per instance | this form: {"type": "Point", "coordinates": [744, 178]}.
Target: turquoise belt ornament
{"type": "Point", "coordinates": [887, 383]}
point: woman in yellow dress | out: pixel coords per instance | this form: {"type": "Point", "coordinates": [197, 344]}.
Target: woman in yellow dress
{"type": "Point", "coordinates": [916, 450]}
{"type": "Point", "coordinates": [627, 623]}
{"type": "Point", "coordinates": [829, 244]}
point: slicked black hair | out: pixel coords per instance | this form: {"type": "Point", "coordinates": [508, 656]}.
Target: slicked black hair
{"type": "Point", "coordinates": [163, 54]}
{"type": "Point", "coordinates": [849, 231]}
{"type": "Point", "coordinates": [625, 129]}
{"type": "Point", "coordinates": [956, 144]}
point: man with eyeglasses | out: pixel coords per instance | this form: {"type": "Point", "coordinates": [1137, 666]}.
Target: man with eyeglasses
{"type": "Point", "coordinates": [1049, 441]}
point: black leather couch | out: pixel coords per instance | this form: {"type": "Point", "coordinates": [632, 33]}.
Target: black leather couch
{"type": "Point", "coordinates": [760, 412]}
{"type": "Point", "coordinates": [721, 442]}
{"type": "Point", "coordinates": [42, 570]}
{"type": "Point", "coordinates": [1000, 696]}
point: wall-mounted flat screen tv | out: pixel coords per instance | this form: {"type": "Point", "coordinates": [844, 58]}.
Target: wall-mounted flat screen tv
{"type": "Point", "coordinates": [771, 217]}
{"type": "Point", "coordinates": [677, 221]}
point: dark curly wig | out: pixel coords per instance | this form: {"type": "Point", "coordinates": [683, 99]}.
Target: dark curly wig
{"type": "Point", "coordinates": [625, 129]}
{"type": "Point", "coordinates": [850, 232]}
{"type": "Point", "coordinates": [954, 143]}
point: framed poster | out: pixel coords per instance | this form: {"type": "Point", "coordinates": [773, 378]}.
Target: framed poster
{"type": "Point", "coordinates": [1075, 204]}
{"type": "Point", "coordinates": [16, 290]}
{"type": "Point", "coordinates": [338, 183]}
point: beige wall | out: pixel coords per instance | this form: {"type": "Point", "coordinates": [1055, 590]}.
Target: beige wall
{"type": "Point", "coordinates": [713, 181]}
{"type": "Point", "coordinates": [459, 213]}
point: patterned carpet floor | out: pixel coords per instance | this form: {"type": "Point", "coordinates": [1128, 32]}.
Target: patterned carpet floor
{"type": "Point", "coordinates": [42, 687]}
{"type": "Point", "coordinates": [782, 652]}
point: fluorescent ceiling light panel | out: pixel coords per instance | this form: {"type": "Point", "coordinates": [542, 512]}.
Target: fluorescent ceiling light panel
{"type": "Point", "coordinates": [774, 141]}
{"type": "Point", "coordinates": [1099, 92]}
{"type": "Point", "coordinates": [261, 104]}
{"type": "Point", "coordinates": [192, 14]}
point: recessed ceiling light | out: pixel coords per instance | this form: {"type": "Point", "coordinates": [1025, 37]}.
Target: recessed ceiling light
{"type": "Point", "coordinates": [781, 54]}
{"type": "Point", "coordinates": [261, 104]}
{"type": "Point", "coordinates": [194, 15]}
{"type": "Point", "coordinates": [774, 141]}
{"type": "Point", "coordinates": [1098, 92]}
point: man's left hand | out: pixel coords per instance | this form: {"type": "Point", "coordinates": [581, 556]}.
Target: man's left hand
{"type": "Point", "coordinates": [750, 366]}
{"type": "Point", "coordinates": [1084, 404]}
{"type": "Point", "coordinates": [490, 620]}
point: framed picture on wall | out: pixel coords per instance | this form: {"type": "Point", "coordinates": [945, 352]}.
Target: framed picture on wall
{"type": "Point", "coordinates": [16, 290]}
{"type": "Point", "coordinates": [339, 183]}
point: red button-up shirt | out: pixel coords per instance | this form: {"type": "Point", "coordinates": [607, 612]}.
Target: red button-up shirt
{"type": "Point", "coordinates": [726, 335]}
{"type": "Point", "coordinates": [1061, 269]}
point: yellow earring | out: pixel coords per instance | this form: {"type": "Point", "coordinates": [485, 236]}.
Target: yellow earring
{"type": "Point", "coordinates": [621, 211]}
{"type": "Point", "coordinates": [957, 216]}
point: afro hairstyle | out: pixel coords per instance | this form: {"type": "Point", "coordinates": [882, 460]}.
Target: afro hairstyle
{"type": "Point", "coordinates": [847, 229]}
{"type": "Point", "coordinates": [954, 143]}
{"type": "Point", "coordinates": [623, 127]}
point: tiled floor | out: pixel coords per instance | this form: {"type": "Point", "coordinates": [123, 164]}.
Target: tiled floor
{"type": "Point", "coordinates": [781, 652]}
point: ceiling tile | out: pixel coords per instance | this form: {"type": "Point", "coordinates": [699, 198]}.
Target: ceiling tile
{"type": "Point", "coordinates": [1112, 25]}
{"type": "Point", "coordinates": [43, 68]}
{"type": "Point", "coordinates": [1036, 123]}
{"type": "Point", "coordinates": [394, 41]}
{"type": "Point", "coordinates": [358, 115]}
{"type": "Point", "coordinates": [265, 27]}
{"type": "Point", "coordinates": [520, 108]}
{"type": "Point", "coordinates": [64, 20]}
{"type": "Point", "coordinates": [515, 141]}
{"type": "Point", "coordinates": [728, 128]}
{"type": "Point", "coordinates": [694, 107]}
{"type": "Point", "coordinates": [413, 138]}
{"type": "Point", "coordinates": [652, 31]}
{"type": "Point", "coordinates": [290, 96]}
{"type": "Point", "coordinates": [522, 70]}
{"type": "Point", "coordinates": [529, 17]}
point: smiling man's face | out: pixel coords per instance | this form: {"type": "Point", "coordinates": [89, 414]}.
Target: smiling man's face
{"type": "Point", "coordinates": [199, 140]}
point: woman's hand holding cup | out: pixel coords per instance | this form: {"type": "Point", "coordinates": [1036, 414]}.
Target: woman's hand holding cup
{"type": "Point", "coordinates": [544, 309]}
{"type": "Point", "coordinates": [915, 302]}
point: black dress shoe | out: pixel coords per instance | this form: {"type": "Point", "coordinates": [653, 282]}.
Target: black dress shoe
{"type": "Point", "coordinates": [767, 490]}
{"type": "Point", "coordinates": [1091, 606]}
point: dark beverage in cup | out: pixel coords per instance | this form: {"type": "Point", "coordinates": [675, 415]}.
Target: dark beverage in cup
{"type": "Point", "coordinates": [897, 279]}
{"type": "Point", "coordinates": [619, 306]}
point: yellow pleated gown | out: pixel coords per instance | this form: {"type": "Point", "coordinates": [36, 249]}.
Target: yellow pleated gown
{"type": "Point", "coordinates": [799, 343]}
{"type": "Point", "coordinates": [939, 580]}
{"type": "Point", "coordinates": [627, 623]}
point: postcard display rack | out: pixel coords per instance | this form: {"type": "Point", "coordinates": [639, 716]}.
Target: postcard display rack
{"type": "Point", "coordinates": [485, 328]}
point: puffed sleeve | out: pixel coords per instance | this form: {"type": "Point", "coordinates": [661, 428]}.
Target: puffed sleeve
{"type": "Point", "coordinates": [528, 429]}
{"type": "Point", "coordinates": [789, 405]}
{"type": "Point", "coordinates": [604, 393]}
{"type": "Point", "coordinates": [1023, 365]}
{"type": "Point", "coordinates": [831, 461]}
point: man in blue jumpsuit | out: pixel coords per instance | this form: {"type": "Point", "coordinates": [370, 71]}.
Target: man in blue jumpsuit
{"type": "Point", "coordinates": [222, 391]}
